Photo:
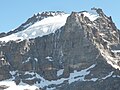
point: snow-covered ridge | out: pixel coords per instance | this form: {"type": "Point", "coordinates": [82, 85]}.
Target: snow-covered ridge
{"type": "Point", "coordinates": [92, 14]}
{"type": "Point", "coordinates": [40, 28]}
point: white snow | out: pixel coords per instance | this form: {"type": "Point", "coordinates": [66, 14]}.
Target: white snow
{"type": "Point", "coordinates": [92, 15]}
{"type": "Point", "coordinates": [31, 73]}
{"type": "Point", "coordinates": [44, 82]}
{"type": "Point", "coordinates": [30, 78]}
{"type": "Point", "coordinates": [36, 59]}
{"type": "Point", "coordinates": [60, 72]}
{"type": "Point", "coordinates": [109, 75]}
{"type": "Point", "coordinates": [2, 59]}
{"type": "Point", "coordinates": [12, 86]}
{"type": "Point", "coordinates": [115, 51]}
{"type": "Point", "coordinates": [13, 72]}
{"type": "Point", "coordinates": [40, 28]}
{"type": "Point", "coordinates": [116, 76]}
{"type": "Point", "coordinates": [80, 74]}
{"type": "Point", "coordinates": [49, 58]}
{"type": "Point", "coordinates": [93, 79]}
{"type": "Point", "coordinates": [26, 60]}
{"type": "Point", "coordinates": [34, 75]}
{"type": "Point", "coordinates": [34, 33]}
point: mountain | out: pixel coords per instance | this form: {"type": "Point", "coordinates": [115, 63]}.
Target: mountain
{"type": "Point", "coordinates": [77, 51]}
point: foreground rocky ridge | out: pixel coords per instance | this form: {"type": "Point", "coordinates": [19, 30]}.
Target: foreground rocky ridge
{"type": "Point", "coordinates": [81, 55]}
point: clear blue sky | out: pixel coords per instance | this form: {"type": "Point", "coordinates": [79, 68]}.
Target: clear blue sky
{"type": "Point", "coordinates": [15, 12]}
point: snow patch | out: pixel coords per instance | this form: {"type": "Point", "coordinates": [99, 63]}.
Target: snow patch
{"type": "Point", "coordinates": [109, 75]}
{"type": "Point", "coordinates": [60, 72]}
{"type": "Point", "coordinates": [116, 76]}
{"type": "Point", "coordinates": [49, 58]}
{"type": "Point", "coordinates": [26, 60]}
{"type": "Point", "coordinates": [29, 73]}
{"type": "Point", "coordinates": [12, 86]}
{"type": "Point", "coordinates": [93, 79]}
{"type": "Point", "coordinates": [2, 59]}
{"type": "Point", "coordinates": [36, 59]}
{"type": "Point", "coordinates": [115, 51]}
{"type": "Point", "coordinates": [80, 74]}
{"type": "Point", "coordinates": [92, 15]}
{"type": "Point", "coordinates": [13, 72]}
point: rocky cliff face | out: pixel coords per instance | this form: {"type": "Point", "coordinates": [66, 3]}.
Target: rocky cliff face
{"type": "Point", "coordinates": [81, 55]}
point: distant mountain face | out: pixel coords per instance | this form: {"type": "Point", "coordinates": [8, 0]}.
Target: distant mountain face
{"type": "Point", "coordinates": [59, 51]}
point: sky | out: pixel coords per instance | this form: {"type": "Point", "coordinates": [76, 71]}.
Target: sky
{"type": "Point", "coordinates": [15, 12]}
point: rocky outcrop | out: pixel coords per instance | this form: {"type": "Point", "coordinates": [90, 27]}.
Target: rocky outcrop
{"type": "Point", "coordinates": [75, 57]}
